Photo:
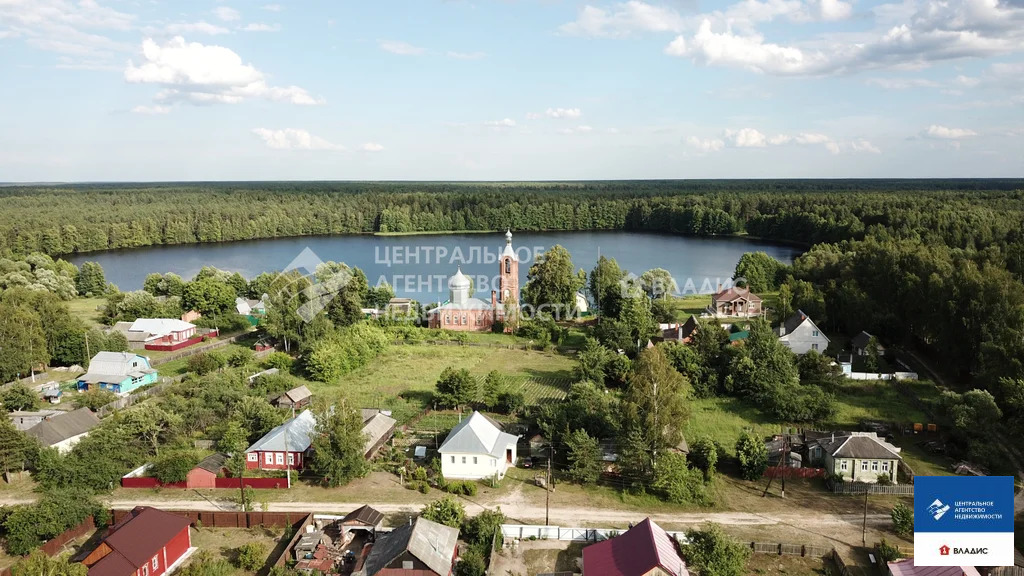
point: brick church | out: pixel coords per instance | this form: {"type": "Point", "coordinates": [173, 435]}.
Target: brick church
{"type": "Point", "coordinates": [466, 313]}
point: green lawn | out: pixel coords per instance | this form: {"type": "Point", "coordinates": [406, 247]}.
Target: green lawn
{"type": "Point", "coordinates": [690, 304]}
{"type": "Point", "coordinates": [724, 419]}
{"type": "Point", "coordinates": [870, 400]}
{"type": "Point", "coordinates": [85, 308]}
{"type": "Point", "coordinates": [403, 378]}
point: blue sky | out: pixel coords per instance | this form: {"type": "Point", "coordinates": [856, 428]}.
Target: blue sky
{"type": "Point", "coordinates": [114, 90]}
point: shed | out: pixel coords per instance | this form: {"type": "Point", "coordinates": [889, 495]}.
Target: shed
{"type": "Point", "coordinates": [299, 397]}
{"type": "Point", "coordinates": [204, 475]}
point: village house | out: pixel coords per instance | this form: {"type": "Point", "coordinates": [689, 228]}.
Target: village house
{"type": "Point", "coordinates": [735, 301]}
{"type": "Point", "coordinates": [158, 333]}
{"type": "Point", "coordinates": [861, 344]}
{"type": "Point", "coordinates": [118, 372]}
{"type": "Point", "coordinates": [378, 428]}
{"type": "Point", "coordinates": [419, 548]}
{"type": "Point", "coordinates": [399, 306]}
{"type": "Point", "coordinates": [857, 456]}
{"type": "Point", "coordinates": [676, 332]}
{"type": "Point", "coordinates": [296, 398]}
{"type": "Point", "coordinates": [250, 307]}
{"type": "Point", "coordinates": [147, 542]}
{"type": "Point", "coordinates": [283, 447]}
{"type": "Point", "coordinates": [464, 313]}
{"type": "Point", "coordinates": [65, 430]}
{"type": "Point", "coordinates": [204, 474]}
{"type": "Point", "coordinates": [801, 335]}
{"type": "Point", "coordinates": [23, 420]}
{"type": "Point", "coordinates": [643, 550]}
{"type": "Point", "coordinates": [477, 448]}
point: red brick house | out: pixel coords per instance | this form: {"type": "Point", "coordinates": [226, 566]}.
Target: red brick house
{"type": "Point", "coordinates": [736, 301]}
{"type": "Point", "coordinates": [147, 542]}
{"type": "Point", "coordinates": [465, 313]}
{"type": "Point", "coordinates": [283, 447]}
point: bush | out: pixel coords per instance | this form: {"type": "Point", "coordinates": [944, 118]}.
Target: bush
{"type": "Point", "coordinates": [484, 529]}
{"type": "Point", "coordinates": [174, 466]}
{"type": "Point", "coordinates": [471, 564]}
{"type": "Point", "coordinates": [902, 519]}
{"type": "Point", "coordinates": [251, 556]}
{"type": "Point", "coordinates": [205, 363]}
{"type": "Point", "coordinates": [447, 511]}
{"type": "Point", "coordinates": [711, 551]}
{"type": "Point", "coordinates": [279, 360]}
{"type": "Point", "coordinates": [511, 402]}
{"type": "Point", "coordinates": [240, 357]}
{"type": "Point", "coordinates": [752, 455]}
{"type": "Point", "coordinates": [423, 487]}
{"type": "Point", "coordinates": [205, 564]}
{"type": "Point", "coordinates": [461, 487]}
{"type": "Point", "coordinates": [28, 526]}
{"type": "Point", "coordinates": [887, 552]}
{"type": "Point", "coordinates": [19, 397]}
{"type": "Point", "coordinates": [94, 399]}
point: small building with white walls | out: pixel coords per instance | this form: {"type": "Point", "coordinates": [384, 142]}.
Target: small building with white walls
{"type": "Point", "coordinates": [477, 449]}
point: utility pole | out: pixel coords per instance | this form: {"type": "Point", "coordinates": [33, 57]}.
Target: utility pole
{"type": "Point", "coordinates": [864, 527]}
{"type": "Point", "coordinates": [547, 499]}
{"type": "Point", "coordinates": [785, 462]}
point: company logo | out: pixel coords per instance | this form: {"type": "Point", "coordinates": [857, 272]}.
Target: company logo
{"type": "Point", "coordinates": [937, 509]}
{"type": "Point", "coordinates": [944, 550]}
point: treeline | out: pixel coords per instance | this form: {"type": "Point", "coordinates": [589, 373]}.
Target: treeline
{"type": "Point", "coordinates": [77, 219]}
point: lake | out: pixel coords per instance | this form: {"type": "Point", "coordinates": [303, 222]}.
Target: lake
{"type": "Point", "coordinates": [419, 266]}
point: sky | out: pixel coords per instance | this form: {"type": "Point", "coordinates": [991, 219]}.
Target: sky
{"type": "Point", "coordinates": [141, 90]}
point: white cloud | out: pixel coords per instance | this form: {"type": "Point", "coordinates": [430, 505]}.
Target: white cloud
{"type": "Point", "coordinates": [272, 7]}
{"type": "Point", "coordinates": [260, 27]}
{"type": "Point", "coordinates": [151, 109]}
{"type": "Point", "coordinates": [504, 123]}
{"type": "Point", "coordinates": [862, 145]}
{"type": "Point", "coordinates": [565, 130]}
{"type": "Point", "coordinates": [201, 27]}
{"type": "Point", "coordinates": [584, 128]}
{"type": "Point", "coordinates": [371, 147]}
{"type": "Point", "coordinates": [203, 74]}
{"type": "Point", "coordinates": [226, 13]}
{"type": "Point", "coordinates": [946, 133]}
{"type": "Point", "coordinates": [833, 9]}
{"type": "Point", "coordinates": [75, 28]}
{"type": "Point", "coordinates": [293, 139]}
{"type": "Point", "coordinates": [400, 48]}
{"type": "Point", "coordinates": [903, 83]}
{"type": "Point", "coordinates": [706, 145]}
{"type": "Point", "coordinates": [561, 113]}
{"type": "Point", "coordinates": [746, 138]}
{"type": "Point", "coordinates": [967, 81]}
{"type": "Point", "coordinates": [918, 34]}
{"type": "Point", "coordinates": [624, 19]}
{"type": "Point", "coordinates": [533, 116]}
{"type": "Point", "coordinates": [466, 55]}
{"type": "Point", "coordinates": [811, 138]}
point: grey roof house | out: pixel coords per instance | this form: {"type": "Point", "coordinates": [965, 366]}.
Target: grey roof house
{"type": "Point", "coordinates": [423, 546]}
{"type": "Point", "coordinates": [65, 430]}
{"type": "Point", "coordinates": [801, 335]}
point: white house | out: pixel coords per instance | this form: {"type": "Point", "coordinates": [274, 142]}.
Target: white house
{"type": "Point", "coordinates": [477, 448]}
{"type": "Point", "coordinates": [801, 335]}
{"type": "Point", "coordinates": [64, 431]}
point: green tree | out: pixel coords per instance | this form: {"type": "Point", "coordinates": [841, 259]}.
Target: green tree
{"type": "Point", "coordinates": [471, 564]}
{"type": "Point", "coordinates": [90, 280]}
{"type": "Point", "coordinates": [19, 397]}
{"type": "Point", "coordinates": [677, 482]}
{"type": "Point", "coordinates": [289, 307]}
{"type": "Point", "coordinates": [592, 361]}
{"type": "Point", "coordinates": [713, 553]}
{"type": "Point", "coordinates": [492, 388]}
{"type": "Point", "coordinates": [208, 296]}
{"type": "Point", "coordinates": [379, 296]}
{"type": "Point", "coordinates": [584, 456]}
{"type": "Point", "coordinates": [785, 300]}
{"type": "Point", "coordinates": [174, 466]}
{"type": "Point", "coordinates": [456, 388]}
{"type": "Point", "coordinates": [636, 314]}
{"type": "Point", "coordinates": [22, 341]}
{"type": "Point", "coordinates": [15, 447]}
{"type": "Point", "coordinates": [483, 530]}
{"type": "Point", "coordinates": [972, 411]}
{"type": "Point", "coordinates": [551, 283]}
{"type": "Point", "coordinates": [704, 455]}
{"type": "Point", "coordinates": [871, 359]}
{"type": "Point", "coordinates": [256, 416]}
{"type": "Point", "coordinates": [759, 271]}
{"type": "Point", "coordinates": [39, 564]}
{"type": "Point", "coordinates": [94, 399]}
{"type": "Point", "coordinates": [655, 407]}
{"type": "Point", "coordinates": [604, 286]}
{"type": "Point", "coordinates": [902, 519]}
{"type": "Point", "coordinates": [658, 283]}
{"type": "Point", "coordinates": [447, 511]}
{"type": "Point", "coordinates": [339, 445]}
{"type": "Point", "coordinates": [752, 455]}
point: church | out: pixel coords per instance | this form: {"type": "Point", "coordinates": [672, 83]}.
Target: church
{"type": "Point", "coordinates": [464, 312]}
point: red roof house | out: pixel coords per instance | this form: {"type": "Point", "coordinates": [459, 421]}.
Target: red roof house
{"type": "Point", "coordinates": [736, 301]}
{"type": "Point", "coordinates": [147, 542]}
{"type": "Point", "coordinates": [907, 567]}
{"type": "Point", "coordinates": [643, 550]}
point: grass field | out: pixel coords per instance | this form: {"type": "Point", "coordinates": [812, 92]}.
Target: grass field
{"type": "Point", "coordinates": [223, 542]}
{"type": "Point", "coordinates": [724, 419]}
{"type": "Point", "coordinates": [85, 308]}
{"type": "Point", "coordinates": [403, 378]}
{"type": "Point", "coordinates": [868, 400]}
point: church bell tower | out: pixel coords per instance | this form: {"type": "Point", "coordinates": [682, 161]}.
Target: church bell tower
{"type": "Point", "coordinates": [509, 273]}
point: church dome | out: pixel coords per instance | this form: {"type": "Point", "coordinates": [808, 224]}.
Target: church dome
{"type": "Point", "coordinates": [459, 281]}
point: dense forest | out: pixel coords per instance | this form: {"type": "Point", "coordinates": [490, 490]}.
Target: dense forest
{"type": "Point", "coordinates": [85, 218]}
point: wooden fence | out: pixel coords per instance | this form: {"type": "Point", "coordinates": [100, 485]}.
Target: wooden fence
{"type": "Point", "coordinates": [784, 549]}
{"type": "Point", "coordinates": [860, 488]}
{"type": "Point", "coordinates": [218, 519]}
{"type": "Point", "coordinates": [790, 472]}
{"type": "Point", "coordinates": [126, 401]}
{"type": "Point", "coordinates": [198, 349]}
